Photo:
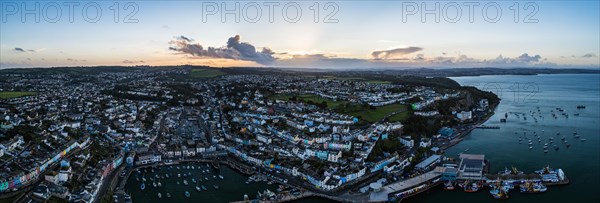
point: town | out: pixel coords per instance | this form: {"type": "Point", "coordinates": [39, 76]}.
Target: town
{"type": "Point", "coordinates": [77, 134]}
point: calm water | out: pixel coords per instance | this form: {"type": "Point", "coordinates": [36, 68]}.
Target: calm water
{"type": "Point", "coordinates": [581, 162]}
{"type": "Point", "coordinates": [231, 188]}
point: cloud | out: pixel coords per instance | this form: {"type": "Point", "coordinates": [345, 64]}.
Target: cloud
{"type": "Point", "coordinates": [131, 62]}
{"type": "Point", "coordinates": [589, 55]}
{"type": "Point", "coordinates": [235, 49]}
{"type": "Point", "coordinates": [528, 59]}
{"type": "Point", "coordinates": [394, 53]}
{"type": "Point", "coordinates": [19, 49]}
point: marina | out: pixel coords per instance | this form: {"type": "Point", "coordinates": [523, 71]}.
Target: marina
{"type": "Point", "coordinates": [227, 186]}
{"type": "Point", "coordinates": [576, 157]}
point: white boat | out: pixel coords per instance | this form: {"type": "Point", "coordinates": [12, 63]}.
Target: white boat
{"type": "Point", "coordinates": [198, 188]}
{"type": "Point", "coordinates": [159, 184]}
{"type": "Point", "coordinates": [159, 195]}
{"type": "Point", "coordinates": [221, 177]}
{"type": "Point", "coordinates": [185, 182]}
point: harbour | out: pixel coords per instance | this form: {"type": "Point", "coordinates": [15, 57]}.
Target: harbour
{"type": "Point", "coordinates": [513, 135]}
{"type": "Point", "coordinates": [578, 161]}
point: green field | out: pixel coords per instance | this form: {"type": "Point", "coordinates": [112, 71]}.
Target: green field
{"type": "Point", "coordinates": [8, 95]}
{"type": "Point", "coordinates": [400, 117]}
{"type": "Point", "coordinates": [378, 113]}
{"type": "Point", "coordinates": [342, 78]}
{"type": "Point", "coordinates": [379, 82]}
{"type": "Point", "coordinates": [206, 73]}
{"type": "Point", "coordinates": [309, 97]}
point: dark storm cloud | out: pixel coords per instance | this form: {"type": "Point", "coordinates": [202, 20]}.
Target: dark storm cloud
{"type": "Point", "coordinates": [235, 49]}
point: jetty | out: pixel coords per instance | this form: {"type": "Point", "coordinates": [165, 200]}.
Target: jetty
{"type": "Point", "coordinates": [487, 127]}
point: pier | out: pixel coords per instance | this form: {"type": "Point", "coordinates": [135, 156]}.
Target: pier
{"type": "Point", "coordinates": [487, 127]}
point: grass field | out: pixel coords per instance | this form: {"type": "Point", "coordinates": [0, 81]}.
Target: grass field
{"type": "Point", "coordinates": [367, 114]}
{"type": "Point", "coordinates": [8, 95]}
{"type": "Point", "coordinates": [400, 117]}
{"type": "Point", "coordinates": [342, 78]}
{"type": "Point", "coordinates": [377, 114]}
{"type": "Point", "coordinates": [379, 82]}
{"type": "Point", "coordinates": [206, 73]}
{"type": "Point", "coordinates": [310, 97]}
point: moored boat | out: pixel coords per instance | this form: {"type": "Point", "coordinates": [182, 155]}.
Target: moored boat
{"type": "Point", "coordinates": [448, 185]}
{"type": "Point", "coordinates": [532, 187]}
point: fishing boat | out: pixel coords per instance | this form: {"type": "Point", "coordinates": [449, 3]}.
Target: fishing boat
{"type": "Point", "coordinates": [159, 184]}
{"type": "Point", "coordinates": [168, 195]}
{"type": "Point", "coordinates": [214, 177]}
{"type": "Point", "coordinates": [187, 194]}
{"type": "Point", "coordinates": [221, 177]}
{"type": "Point", "coordinates": [198, 188]}
{"type": "Point", "coordinates": [167, 175]}
{"type": "Point", "coordinates": [205, 178]}
{"type": "Point", "coordinates": [471, 187]}
{"type": "Point", "coordinates": [159, 195]}
{"type": "Point", "coordinates": [499, 193]}
{"type": "Point", "coordinates": [153, 184]}
{"type": "Point", "coordinates": [448, 185]}
{"type": "Point", "coordinates": [583, 140]}
{"type": "Point", "coordinates": [268, 194]}
{"type": "Point", "coordinates": [531, 187]}
{"type": "Point", "coordinates": [179, 175]}
{"type": "Point", "coordinates": [216, 187]}
{"type": "Point", "coordinates": [143, 178]}
{"type": "Point", "coordinates": [203, 188]}
{"type": "Point", "coordinates": [185, 182]}
{"type": "Point", "coordinates": [193, 180]}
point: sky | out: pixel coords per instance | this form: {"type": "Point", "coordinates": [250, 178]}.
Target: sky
{"type": "Point", "coordinates": [301, 34]}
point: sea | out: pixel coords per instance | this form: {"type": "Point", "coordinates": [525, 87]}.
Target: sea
{"type": "Point", "coordinates": [521, 95]}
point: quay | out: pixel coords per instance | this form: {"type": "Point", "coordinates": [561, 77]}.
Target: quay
{"type": "Point", "coordinates": [487, 127]}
